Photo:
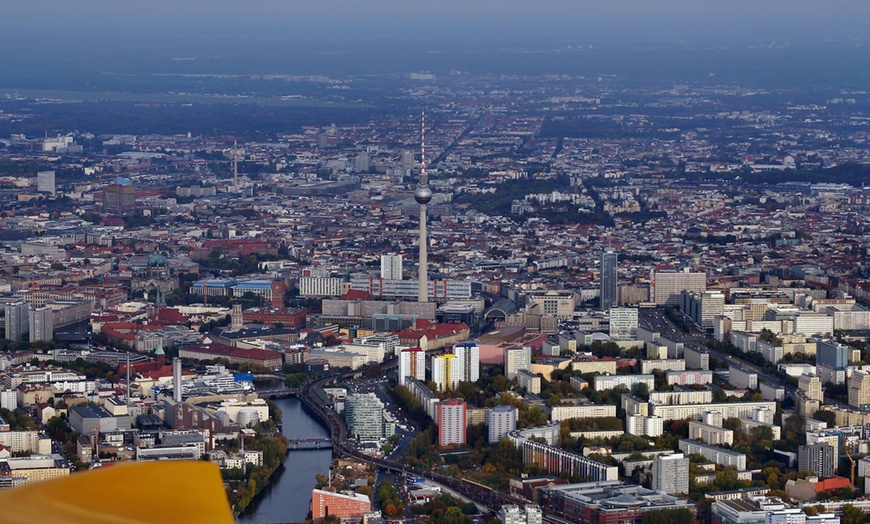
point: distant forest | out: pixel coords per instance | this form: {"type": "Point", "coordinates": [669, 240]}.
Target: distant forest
{"type": "Point", "coordinates": [850, 173]}
{"type": "Point", "coordinates": [119, 117]}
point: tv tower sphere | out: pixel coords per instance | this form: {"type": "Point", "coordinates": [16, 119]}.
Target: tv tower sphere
{"type": "Point", "coordinates": [422, 194]}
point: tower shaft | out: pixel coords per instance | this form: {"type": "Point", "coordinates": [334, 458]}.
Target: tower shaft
{"type": "Point", "coordinates": [423, 195]}
{"type": "Point", "coordinates": [235, 167]}
{"type": "Point", "coordinates": [423, 291]}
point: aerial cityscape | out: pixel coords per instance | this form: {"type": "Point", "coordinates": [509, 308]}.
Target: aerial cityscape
{"type": "Point", "coordinates": [473, 265]}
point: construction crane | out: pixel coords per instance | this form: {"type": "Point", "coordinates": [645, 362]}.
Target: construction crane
{"type": "Point", "coordinates": [849, 456]}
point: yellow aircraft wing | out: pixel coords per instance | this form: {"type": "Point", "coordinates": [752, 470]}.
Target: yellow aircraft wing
{"type": "Point", "coordinates": [128, 493]}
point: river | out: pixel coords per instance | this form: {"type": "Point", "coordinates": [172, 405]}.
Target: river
{"type": "Point", "coordinates": [288, 495]}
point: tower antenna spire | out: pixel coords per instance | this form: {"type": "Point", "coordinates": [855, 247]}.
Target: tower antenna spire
{"type": "Point", "coordinates": [423, 178]}
{"type": "Point", "coordinates": [423, 195]}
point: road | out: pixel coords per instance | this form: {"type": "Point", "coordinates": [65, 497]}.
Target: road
{"type": "Point", "coordinates": [656, 320]}
{"type": "Point", "coordinates": [485, 498]}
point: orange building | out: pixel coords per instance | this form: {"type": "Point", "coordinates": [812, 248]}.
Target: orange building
{"type": "Point", "coordinates": [326, 503]}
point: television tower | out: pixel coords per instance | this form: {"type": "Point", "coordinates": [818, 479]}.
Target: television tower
{"type": "Point", "coordinates": [235, 167]}
{"type": "Point", "coordinates": [423, 195]}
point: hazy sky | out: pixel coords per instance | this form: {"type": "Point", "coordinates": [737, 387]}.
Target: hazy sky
{"type": "Point", "coordinates": [74, 42]}
{"type": "Point", "coordinates": [626, 20]}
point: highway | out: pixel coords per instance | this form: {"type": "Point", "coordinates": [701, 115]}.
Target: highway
{"type": "Point", "coordinates": [656, 320]}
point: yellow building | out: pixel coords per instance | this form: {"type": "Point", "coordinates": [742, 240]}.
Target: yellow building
{"type": "Point", "coordinates": [811, 385]}
{"type": "Point", "coordinates": [595, 366]}
{"type": "Point", "coordinates": [37, 467]}
{"type": "Point", "coordinates": [859, 390]}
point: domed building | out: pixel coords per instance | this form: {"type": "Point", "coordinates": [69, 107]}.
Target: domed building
{"type": "Point", "coordinates": [153, 273]}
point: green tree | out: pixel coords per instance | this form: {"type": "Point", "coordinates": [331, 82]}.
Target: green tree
{"type": "Point", "coordinates": [826, 416]}
{"type": "Point", "coordinates": [794, 430]}
{"type": "Point", "coordinates": [669, 516]}
{"type": "Point", "coordinates": [727, 479]}
{"type": "Point", "coordinates": [454, 515]}
{"type": "Point", "coordinates": [853, 515]}
{"type": "Point", "coordinates": [640, 390]}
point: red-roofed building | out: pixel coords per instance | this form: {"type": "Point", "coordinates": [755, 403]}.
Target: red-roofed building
{"type": "Point", "coordinates": [269, 360]}
{"type": "Point", "coordinates": [831, 484]}
{"type": "Point", "coordinates": [428, 335]}
{"type": "Point", "coordinates": [357, 294]}
{"type": "Point", "coordinates": [809, 489]}
{"type": "Point", "coordinates": [169, 316]}
{"type": "Point", "coordinates": [124, 333]}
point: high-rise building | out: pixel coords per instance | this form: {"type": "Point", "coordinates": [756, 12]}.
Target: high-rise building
{"type": "Point", "coordinates": [515, 359]}
{"type": "Point", "coordinates": [423, 195]}
{"type": "Point", "coordinates": [623, 323]}
{"type": "Point", "coordinates": [859, 390]}
{"type": "Point", "coordinates": [119, 199]}
{"type": "Point", "coordinates": [501, 421]}
{"type": "Point", "coordinates": [362, 163]}
{"type": "Point", "coordinates": [408, 161]}
{"type": "Point", "coordinates": [45, 182]}
{"type": "Point", "coordinates": [703, 307]}
{"type": "Point", "coordinates": [818, 458]}
{"type": "Point", "coordinates": [667, 286]}
{"type": "Point", "coordinates": [364, 414]}
{"type": "Point", "coordinates": [445, 372]}
{"type": "Point", "coordinates": [391, 267]}
{"type": "Point", "coordinates": [17, 320]}
{"type": "Point", "coordinates": [609, 280]}
{"type": "Point", "coordinates": [671, 474]}
{"type": "Point", "coordinates": [832, 354]}
{"type": "Point", "coordinates": [41, 324]}
{"type": "Point", "coordinates": [467, 361]}
{"type": "Point", "coordinates": [811, 385]}
{"type": "Point", "coordinates": [412, 363]}
{"type": "Point", "coordinates": [451, 420]}
{"type": "Point", "coordinates": [9, 399]}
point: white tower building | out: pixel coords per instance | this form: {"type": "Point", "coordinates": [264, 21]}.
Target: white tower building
{"type": "Point", "coordinates": [468, 361]}
{"type": "Point", "coordinates": [391, 267]}
{"type": "Point", "coordinates": [412, 363]}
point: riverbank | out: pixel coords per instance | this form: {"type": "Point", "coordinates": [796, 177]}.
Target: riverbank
{"type": "Point", "coordinates": [287, 493]}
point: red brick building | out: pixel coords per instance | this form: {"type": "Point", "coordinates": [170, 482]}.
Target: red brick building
{"type": "Point", "coordinates": [326, 503]}
{"type": "Point", "coordinates": [289, 318]}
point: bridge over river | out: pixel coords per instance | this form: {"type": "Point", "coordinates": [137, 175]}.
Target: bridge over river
{"type": "Point", "coordinates": [309, 443]}
{"type": "Point", "coordinates": [278, 392]}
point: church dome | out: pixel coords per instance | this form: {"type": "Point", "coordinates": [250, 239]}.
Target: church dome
{"type": "Point", "coordinates": [157, 260]}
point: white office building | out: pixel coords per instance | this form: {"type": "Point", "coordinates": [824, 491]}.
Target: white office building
{"type": "Point", "coordinates": [515, 359]}
{"type": "Point", "coordinates": [391, 267]}
{"type": "Point", "coordinates": [668, 285]}
{"type": "Point", "coordinates": [41, 324]}
{"type": "Point", "coordinates": [605, 382]}
{"type": "Point", "coordinates": [17, 320]}
{"type": "Point", "coordinates": [412, 363]}
{"type": "Point", "coordinates": [364, 414]}
{"type": "Point", "coordinates": [468, 361]}
{"type": "Point", "coordinates": [671, 474]}
{"type": "Point", "coordinates": [501, 421]}
{"type": "Point", "coordinates": [45, 182]}
{"type": "Point", "coordinates": [623, 323]}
